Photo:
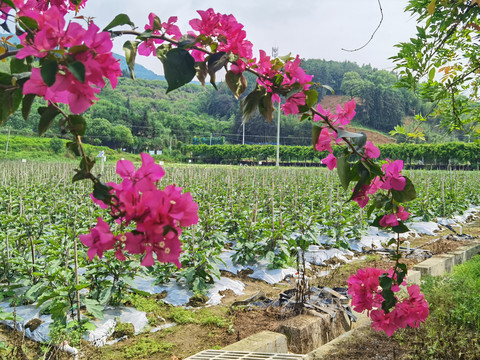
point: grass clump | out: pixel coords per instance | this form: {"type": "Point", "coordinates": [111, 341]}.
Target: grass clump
{"type": "Point", "coordinates": [452, 330]}
{"type": "Point", "coordinates": [146, 347]}
{"type": "Point", "coordinates": [157, 309]}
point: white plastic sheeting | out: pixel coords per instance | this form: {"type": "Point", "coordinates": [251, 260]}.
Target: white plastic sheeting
{"type": "Point", "coordinates": [98, 337]}
{"type": "Point", "coordinates": [318, 256]}
{"type": "Point", "coordinates": [106, 326]}
{"type": "Point", "coordinates": [260, 269]}
{"type": "Point", "coordinates": [178, 293]}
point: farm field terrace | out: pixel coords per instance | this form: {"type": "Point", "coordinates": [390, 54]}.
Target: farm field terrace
{"type": "Point", "coordinates": [251, 210]}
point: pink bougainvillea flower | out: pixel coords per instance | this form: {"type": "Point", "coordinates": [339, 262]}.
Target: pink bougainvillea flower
{"type": "Point", "coordinates": [393, 179]}
{"type": "Point", "coordinates": [295, 74]}
{"type": "Point", "coordinates": [402, 214]}
{"type": "Point", "coordinates": [144, 178]}
{"type": "Point", "coordinates": [347, 113]}
{"type": "Point", "coordinates": [371, 151]}
{"type": "Point", "coordinates": [361, 197]}
{"type": "Point", "coordinates": [392, 219]}
{"type": "Point", "coordinates": [330, 161]}
{"type": "Point", "coordinates": [228, 31]}
{"type": "Point", "coordinates": [172, 29]}
{"type": "Point", "coordinates": [364, 287]}
{"type": "Point", "coordinates": [157, 215]}
{"type": "Point", "coordinates": [293, 102]}
{"type": "Point", "coordinates": [324, 140]}
{"type": "Point", "coordinates": [324, 112]}
{"type": "Point", "coordinates": [96, 58]}
{"type": "Point", "coordinates": [374, 185]}
{"type": "Point", "coordinates": [98, 240]}
{"type": "Point", "coordinates": [388, 220]}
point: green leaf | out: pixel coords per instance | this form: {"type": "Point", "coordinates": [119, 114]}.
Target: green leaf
{"type": "Point", "coordinates": [407, 194]}
{"type": "Point", "coordinates": [431, 74]}
{"type": "Point", "coordinates": [187, 41]}
{"type": "Point", "coordinates": [5, 79]}
{"type": "Point", "coordinates": [74, 147]}
{"type": "Point", "coordinates": [49, 72]}
{"type": "Point", "coordinates": [216, 62]}
{"type": "Point", "coordinates": [78, 125]}
{"type": "Point", "coordinates": [47, 116]}
{"type": "Point", "coordinates": [376, 222]}
{"type": "Point", "coordinates": [15, 99]}
{"type": "Point", "coordinates": [81, 286]}
{"type": "Point", "coordinates": [45, 297]}
{"type": "Point", "coordinates": [341, 133]}
{"type": "Point", "coordinates": [236, 82]}
{"type": "Point", "coordinates": [316, 130]}
{"type": "Point", "coordinates": [249, 104]}
{"type": "Point", "coordinates": [389, 299]}
{"type": "Point", "coordinates": [94, 308]}
{"type": "Point", "coordinates": [201, 71]}
{"type": "Point", "coordinates": [343, 170]}
{"type": "Point", "coordinates": [78, 70]}
{"type": "Point", "coordinates": [329, 88]}
{"type": "Point", "coordinates": [360, 141]}
{"type": "Point", "coordinates": [179, 68]}
{"type": "Point", "coordinates": [86, 165]}
{"type": "Point", "coordinates": [105, 295]}
{"type": "Point", "coordinates": [265, 106]}
{"type": "Point", "coordinates": [78, 49]}
{"type": "Point", "coordinates": [130, 48]}
{"type": "Point", "coordinates": [89, 326]}
{"type": "Point", "coordinates": [120, 19]}
{"type": "Point", "coordinates": [101, 191]}
{"type": "Point", "coordinates": [401, 228]}
{"type": "Point", "coordinates": [141, 292]}
{"type": "Point", "coordinates": [370, 210]}
{"type": "Point", "coordinates": [296, 88]}
{"type": "Point", "coordinates": [28, 24]}
{"type": "Point", "coordinates": [312, 97]}
{"type": "Point", "coordinates": [18, 66]}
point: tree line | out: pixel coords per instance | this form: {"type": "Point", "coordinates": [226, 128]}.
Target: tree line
{"type": "Point", "coordinates": [451, 153]}
{"type": "Point", "coordinates": [140, 116]}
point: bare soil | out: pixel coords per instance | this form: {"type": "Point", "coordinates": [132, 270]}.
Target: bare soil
{"type": "Point", "coordinates": [185, 340]}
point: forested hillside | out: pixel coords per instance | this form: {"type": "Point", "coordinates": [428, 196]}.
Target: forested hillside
{"type": "Point", "coordinates": [139, 115]}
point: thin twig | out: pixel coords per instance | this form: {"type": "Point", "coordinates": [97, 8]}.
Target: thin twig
{"type": "Point", "coordinates": [371, 38]}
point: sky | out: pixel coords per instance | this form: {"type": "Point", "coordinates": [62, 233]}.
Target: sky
{"type": "Point", "coordinates": [317, 29]}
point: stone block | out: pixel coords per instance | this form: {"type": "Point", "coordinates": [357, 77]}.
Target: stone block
{"type": "Point", "coordinates": [471, 250]}
{"type": "Point", "coordinates": [307, 332]}
{"type": "Point", "coordinates": [435, 266]}
{"type": "Point", "coordinates": [459, 257]}
{"type": "Point", "coordinates": [413, 277]}
{"type": "Point", "coordinates": [265, 341]}
{"type": "Point", "coordinates": [449, 261]}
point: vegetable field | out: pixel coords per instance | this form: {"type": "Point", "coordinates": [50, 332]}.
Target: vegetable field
{"type": "Point", "coordinates": [252, 210]}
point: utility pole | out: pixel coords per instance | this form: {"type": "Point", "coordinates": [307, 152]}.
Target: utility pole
{"type": "Point", "coordinates": [243, 136]}
{"type": "Point", "coordinates": [8, 139]}
{"type": "Point", "coordinates": [277, 162]}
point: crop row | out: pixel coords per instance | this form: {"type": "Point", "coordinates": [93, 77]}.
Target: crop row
{"type": "Point", "coordinates": [252, 210]}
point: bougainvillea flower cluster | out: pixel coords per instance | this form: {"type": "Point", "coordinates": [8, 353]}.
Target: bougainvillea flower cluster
{"type": "Point", "coordinates": [85, 51]}
{"type": "Point", "coordinates": [157, 216]}
{"type": "Point", "coordinates": [364, 287]}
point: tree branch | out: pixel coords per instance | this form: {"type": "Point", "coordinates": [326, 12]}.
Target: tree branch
{"type": "Point", "coordinates": [373, 34]}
